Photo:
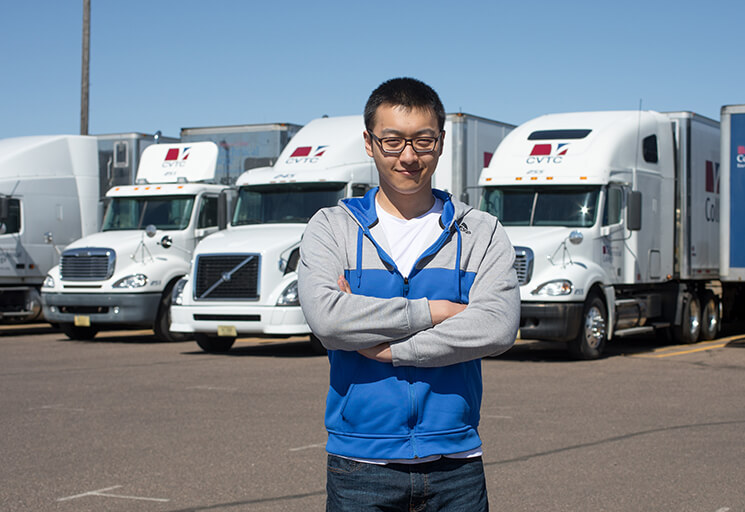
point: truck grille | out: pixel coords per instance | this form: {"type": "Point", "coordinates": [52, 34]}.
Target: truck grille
{"type": "Point", "coordinates": [523, 264]}
{"type": "Point", "coordinates": [227, 277]}
{"type": "Point", "coordinates": [87, 264]}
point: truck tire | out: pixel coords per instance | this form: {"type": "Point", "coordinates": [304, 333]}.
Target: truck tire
{"type": "Point", "coordinates": [213, 344]}
{"type": "Point", "coordinates": [689, 329]}
{"type": "Point", "coordinates": [162, 325]}
{"type": "Point", "coordinates": [316, 345]}
{"type": "Point", "coordinates": [711, 320]}
{"type": "Point", "coordinates": [593, 331]}
{"type": "Point", "coordinates": [74, 332]}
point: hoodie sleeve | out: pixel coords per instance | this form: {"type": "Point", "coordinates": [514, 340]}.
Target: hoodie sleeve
{"type": "Point", "coordinates": [488, 325]}
{"type": "Point", "coordinates": [345, 321]}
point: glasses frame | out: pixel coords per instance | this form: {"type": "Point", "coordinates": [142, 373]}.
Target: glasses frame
{"type": "Point", "coordinates": [410, 142]}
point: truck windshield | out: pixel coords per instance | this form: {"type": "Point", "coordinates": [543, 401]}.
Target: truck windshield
{"type": "Point", "coordinates": [542, 206]}
{"type": "Point", "coordinates": [167, 212]}
{"type": "Point", "coordinates": [284, 203]}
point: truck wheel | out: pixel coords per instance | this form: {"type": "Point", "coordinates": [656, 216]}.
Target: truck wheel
{"type": "Point", "coordinates": [74, 332]}
{"type": "Point", "coordinates": [162, 325]}
{"type": "Point", "coordinates": [711, 321]}
{"type": "Point", "coordinates": [689, 329]}
{"type": "Point", "coordinates": [593, 332]}
{"type": "Point", "coordinates": [316, 345]}
{"type": "Point", "coordinates": [213, 344]}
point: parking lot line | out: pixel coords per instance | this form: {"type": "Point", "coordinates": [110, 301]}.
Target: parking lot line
{"type": "Point", "coordinates": [104, 493]}
{"type": "Point", "coordinates": [679, 350]}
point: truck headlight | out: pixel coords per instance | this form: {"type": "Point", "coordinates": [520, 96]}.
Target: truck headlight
{"type": "Point", "coordinates": [177, 295]}
{"type": "Point", "coordinates": [554, 288]}
{"type": "Point", "coordinates": [48, 282]}
{"type": "Point", "coordinates": [134, 281]}
{"type": "Point", "coordinates": [289, 297]}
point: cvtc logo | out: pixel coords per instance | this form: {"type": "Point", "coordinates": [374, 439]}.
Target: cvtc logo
{"type": "Point", "coordinates": [176, 157]}
{"type": "Point", "coordinates": [306, 154]}
{"type": "Point", "coordinates": [548, 153]}
{"type": "Point", "coordinates": [740, 157]}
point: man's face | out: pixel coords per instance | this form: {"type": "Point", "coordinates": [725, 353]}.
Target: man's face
{"type": "Point", "coordinates": [409, 172]}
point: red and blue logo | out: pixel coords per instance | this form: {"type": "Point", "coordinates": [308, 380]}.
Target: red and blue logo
{"type": "Point", "coordinates": [178, 154]}
{"type": "Point", "coordinates": [548, 153]}
{"type": "Point", "coordinates": [306, 154]}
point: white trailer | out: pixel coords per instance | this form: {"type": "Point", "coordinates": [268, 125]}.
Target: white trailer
{"type": "Point", "coordinates": [122, 276]}
{"type": "Point", "coordinates": [615, 221]}
{"type": "Point", "coordinates": [243, 281]}
{"type": "Point", "coordinates": [48, 198]}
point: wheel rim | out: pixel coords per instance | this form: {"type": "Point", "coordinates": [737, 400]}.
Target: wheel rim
{"type": "Point", "coordinates": [711, 318]}
{"type": "Point", "coordinates": [594, 327]}
{"type": "Point", "coordinates": [694, 318]}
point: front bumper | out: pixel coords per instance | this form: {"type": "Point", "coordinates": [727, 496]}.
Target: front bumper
{"type": "Point", "coordinates": [135, 309]}
{"type": "Point", "coordinates": [550, 321]}
{"type": "Point", "coordinates": [240, 319]}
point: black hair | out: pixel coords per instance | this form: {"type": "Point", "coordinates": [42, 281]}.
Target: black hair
{"type": "Point", "coordinates": [405, 92]}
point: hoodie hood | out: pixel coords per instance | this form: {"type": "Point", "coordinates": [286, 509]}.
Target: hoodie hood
{"type": "Point", "coordinates": [362, 209]}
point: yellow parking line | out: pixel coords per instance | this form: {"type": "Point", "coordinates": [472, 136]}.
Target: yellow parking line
{"type": "Point", "coordinates": [699, 347]}
{"type": "Point", "coordinates": [683, 352]}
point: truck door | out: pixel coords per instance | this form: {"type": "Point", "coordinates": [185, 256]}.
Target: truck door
{"type": "Point", "coordinates": [207, 219]}
{"type": "Point", "coordinates": [613, 233]}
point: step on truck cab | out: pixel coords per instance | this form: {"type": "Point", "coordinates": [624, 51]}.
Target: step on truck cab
{"type": "Point", "coordinates": [122, 276]}
{"type": "Point", "coordinates": [243, 280]}
{"type": "Point", "coordinates": [615, 221]}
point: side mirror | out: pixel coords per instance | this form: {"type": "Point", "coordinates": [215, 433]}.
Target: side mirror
{"type": "Point", "coordinates": [4, 206]}
{"type": "Point", "coordinates": [222, 211]}
{"type": "Point", "coordinates": [150, 230]}
{"type": "Point", "coordinates": [634, 211]}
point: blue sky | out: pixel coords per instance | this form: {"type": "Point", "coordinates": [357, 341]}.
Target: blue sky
{"type": "Point", "coordinates": [168, 64]}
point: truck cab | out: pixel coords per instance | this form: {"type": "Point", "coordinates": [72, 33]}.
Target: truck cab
{"type": "Point", "coordinates": [606, 241]}
{"type": "Point", "coordinates": [243, 280]}
{"type": "Point", "coordinates": [122, 276]}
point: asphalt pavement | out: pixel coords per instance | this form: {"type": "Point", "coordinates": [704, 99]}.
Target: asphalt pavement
{"type": "Point", "coordinates": [126, 423]}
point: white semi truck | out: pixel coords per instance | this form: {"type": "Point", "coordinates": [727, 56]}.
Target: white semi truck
{"type": "Point", "coordinates": [49, 197]}
{"type": "Point", "coordinates": [242, 280]}
{"type": "Point", "coordinates": [122, 276]}
{"type": "Point", "coordinates": [615, 219]}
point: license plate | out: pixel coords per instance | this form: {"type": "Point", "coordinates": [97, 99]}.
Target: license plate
{"type": "Point", "coordinates": [227, 330]}
{"type": "Point", "coordinates": [82, 321]}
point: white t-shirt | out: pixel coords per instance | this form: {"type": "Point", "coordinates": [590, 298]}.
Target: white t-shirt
{"type": "Point", "coordinates": [409, 238]}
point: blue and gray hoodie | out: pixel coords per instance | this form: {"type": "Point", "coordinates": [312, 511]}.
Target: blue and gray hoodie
{"type": "Point", "coordinates": [428, 401]}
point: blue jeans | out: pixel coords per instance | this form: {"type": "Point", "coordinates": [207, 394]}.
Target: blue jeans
{"type": "Point", "coordinates": [452, 485]}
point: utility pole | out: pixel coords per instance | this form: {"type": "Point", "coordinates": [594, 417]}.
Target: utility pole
{"type": "Point", "coordinates": [85, 81]}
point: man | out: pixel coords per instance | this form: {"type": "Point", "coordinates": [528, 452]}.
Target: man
{"type": "Point", "coordinates": [408, 289]}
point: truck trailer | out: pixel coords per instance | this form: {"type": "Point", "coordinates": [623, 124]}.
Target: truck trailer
{"type": "Point", "coordinates": [243, 280]}
{"type": "Point", "coordinates": [615, 219]}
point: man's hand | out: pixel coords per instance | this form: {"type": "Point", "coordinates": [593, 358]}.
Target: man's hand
{"type": "Point", "coordinates": [441, 310]}
{"type": "Point", "coordinates": [380, 353]}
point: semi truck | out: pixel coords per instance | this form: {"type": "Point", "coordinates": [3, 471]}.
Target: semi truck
{"type": "Point", "coordinates": [243, 280]}
{"type": "Point", "coordinates": [615, 220]}
{"type": "Point", "coordinates": [49, 197]}
{"type": "Point", "coordinates": [122, 276]}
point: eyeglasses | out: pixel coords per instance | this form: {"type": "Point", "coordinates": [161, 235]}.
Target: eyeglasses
{"type": "Point", "coordinates": [396, 145]}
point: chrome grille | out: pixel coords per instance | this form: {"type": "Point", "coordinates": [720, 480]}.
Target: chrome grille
{"type": "Point", "coordinates": [523, 264]}
{"type": "Point", "coordinates": [227, 277]}
{"type": "Point", "coordinates": [87, 264]}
